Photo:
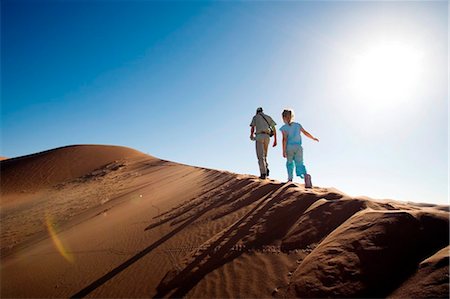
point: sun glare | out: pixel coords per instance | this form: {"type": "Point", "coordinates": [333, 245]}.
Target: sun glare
{"type": "Point", "coordinates": [385, 75]}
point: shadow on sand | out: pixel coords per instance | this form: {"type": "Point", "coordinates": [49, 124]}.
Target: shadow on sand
{"type": "Point", "coordinates": [234, 191]}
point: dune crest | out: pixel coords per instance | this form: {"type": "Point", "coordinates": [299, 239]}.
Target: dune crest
{"type": "Point", "coordinates": [34, 172]}
{"type": "Point", "coordinates": [131, 225]}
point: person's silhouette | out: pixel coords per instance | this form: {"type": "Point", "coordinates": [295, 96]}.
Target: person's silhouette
{"type": "Point", "coordinates": [292, 147]}
{"type": "Point", "coordinates": [262, 126]}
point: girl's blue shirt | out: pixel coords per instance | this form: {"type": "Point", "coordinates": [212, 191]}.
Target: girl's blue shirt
{"type": "Point", "coordinates": [293, 133]}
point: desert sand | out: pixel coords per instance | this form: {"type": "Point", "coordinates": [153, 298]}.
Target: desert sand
{"type": "Point", "coordinates": [109, 221]}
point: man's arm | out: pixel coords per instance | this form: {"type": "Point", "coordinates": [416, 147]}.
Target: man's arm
{"type": "Point", "coordinates": [272, 125]}
{"type": "Point", "coordinates": [274, 136]}
{"type": "Point", "coordinates": [252, 132]}
{"type": "Point", "coordinates": [307, 134]}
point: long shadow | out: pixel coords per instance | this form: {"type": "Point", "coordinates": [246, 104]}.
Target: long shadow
{"type": "Point", "coordinates": [97, 283]}
{"type": "Point", "coordinates": [238, 204]}
{"type": "Point", "coordinates": [187, 205]}
{"type": "Point", "coordinates": [230, 196]}
{"type": "Point", "coordinates": [220, 199]}
{"type": "Point", "coordinates": [217, 253]}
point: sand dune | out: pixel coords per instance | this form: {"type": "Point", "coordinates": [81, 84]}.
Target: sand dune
{"type": "Point", "coordinates": [104, 221]}
{"type": "Point", "coordinates": [34, 172]}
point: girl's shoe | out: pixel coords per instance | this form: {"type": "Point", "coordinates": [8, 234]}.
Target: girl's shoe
{"type": "Point", "coordinates": [308, 183]}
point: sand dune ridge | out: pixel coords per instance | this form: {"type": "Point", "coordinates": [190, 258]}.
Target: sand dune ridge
{"type": "Point", "coordinates": [138, 226]}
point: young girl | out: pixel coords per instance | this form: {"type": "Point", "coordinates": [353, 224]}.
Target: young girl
{"type": "Point", "coordinates": [292, 147]}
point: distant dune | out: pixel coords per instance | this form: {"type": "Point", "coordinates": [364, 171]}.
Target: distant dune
{"type": "Point", "coordinates": [108, 221]}
{"type": "Point", "coordinates": [37, 171]}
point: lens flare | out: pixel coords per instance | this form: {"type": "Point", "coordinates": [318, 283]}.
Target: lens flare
{"type": "Point", "coordinates": [51, 227]}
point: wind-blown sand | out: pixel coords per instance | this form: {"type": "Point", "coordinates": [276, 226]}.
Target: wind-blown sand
{"type": "Point", "coordinates": [106, 221]}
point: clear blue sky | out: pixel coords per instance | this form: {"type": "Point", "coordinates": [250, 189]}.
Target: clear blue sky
{"type": "Point", "coordinates": [182, 80]}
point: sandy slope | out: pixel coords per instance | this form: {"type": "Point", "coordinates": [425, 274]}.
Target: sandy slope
{"type": "Point", "coordinates": [37, 171]}
{"type": "Point", "coordinates": [104, 221]}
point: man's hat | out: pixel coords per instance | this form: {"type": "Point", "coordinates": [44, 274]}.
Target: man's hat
{"type": "Point", "coordinates": [259, 110]}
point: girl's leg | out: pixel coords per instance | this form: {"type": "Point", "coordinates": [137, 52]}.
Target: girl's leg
{"type": "Point", "coordinates": [300, 168]}
{"type": "Point", "coordinates": [290, 164]}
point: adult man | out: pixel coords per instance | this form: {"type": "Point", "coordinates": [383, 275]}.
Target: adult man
{"type": "Point", "coordinates": [261, 127]}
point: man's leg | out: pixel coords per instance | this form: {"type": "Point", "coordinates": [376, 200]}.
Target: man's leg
{"type": "Point", "coordinates": [266, 149]}
{"type": "Point", "coordinates": [261, 158]}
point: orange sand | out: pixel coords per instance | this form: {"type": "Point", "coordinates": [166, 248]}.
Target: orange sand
{"type": "Point", "coordinates": [104, 221]}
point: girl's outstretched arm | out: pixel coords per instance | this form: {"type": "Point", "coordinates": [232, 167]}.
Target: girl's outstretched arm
{"type": "Point", "coordinates": [307, 134]}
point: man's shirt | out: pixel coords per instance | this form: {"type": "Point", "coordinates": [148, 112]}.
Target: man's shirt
{"type": "Point", "coordinates": [260, 124]}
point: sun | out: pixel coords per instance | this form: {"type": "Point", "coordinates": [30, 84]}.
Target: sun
{"type": "Point", "coordinates": [386, 74]}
